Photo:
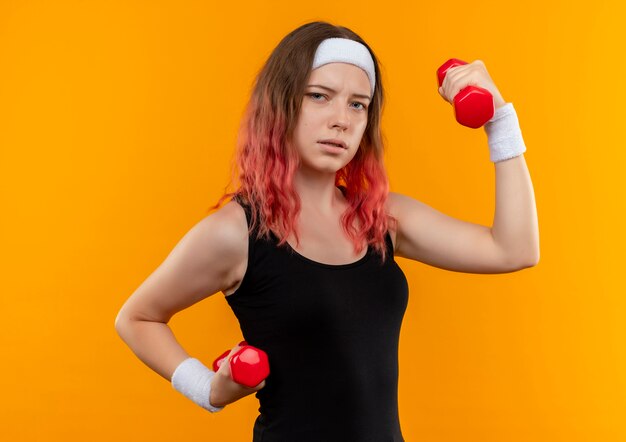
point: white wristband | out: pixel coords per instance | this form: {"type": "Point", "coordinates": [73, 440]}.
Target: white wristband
{"type": "Point", "coordinates": [193, 379]}
{"type": "Point", "coordinates": [504, 135]}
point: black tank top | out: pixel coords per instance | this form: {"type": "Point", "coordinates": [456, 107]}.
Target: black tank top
{"type": "Point", "coordinates": [331, 335]}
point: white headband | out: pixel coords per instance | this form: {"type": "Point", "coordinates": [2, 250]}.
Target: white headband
{"type": "Point", "coordinates": [345, 50]}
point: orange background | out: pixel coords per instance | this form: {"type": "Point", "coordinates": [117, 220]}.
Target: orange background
{"type": "Point", "coordinates": [117, 125]}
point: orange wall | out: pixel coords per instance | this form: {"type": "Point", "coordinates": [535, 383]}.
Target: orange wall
{"type": "Point", "coordinates": [117, 125]}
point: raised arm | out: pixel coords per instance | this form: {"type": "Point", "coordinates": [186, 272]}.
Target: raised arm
{"type": "Point", "coordinates": [426, 235]}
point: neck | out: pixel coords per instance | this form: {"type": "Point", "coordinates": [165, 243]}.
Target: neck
{"type": "Point", "coordinates": [318, 194]}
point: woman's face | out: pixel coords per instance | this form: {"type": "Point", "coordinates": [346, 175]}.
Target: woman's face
{"type": "Point", "coordinates": [334, 106]}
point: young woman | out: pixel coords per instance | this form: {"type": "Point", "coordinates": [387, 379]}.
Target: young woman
{"type": "Point", "coordinates": [304, 251]}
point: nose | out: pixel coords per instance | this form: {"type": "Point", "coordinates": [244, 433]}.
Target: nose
{"type": "Point", "coordinates": [340, 117]}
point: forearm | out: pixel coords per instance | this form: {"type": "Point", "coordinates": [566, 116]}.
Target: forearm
{"type": "Point", "coordinates": [515, 226]}
{"type": "Point", "coordinates": [154, 344]}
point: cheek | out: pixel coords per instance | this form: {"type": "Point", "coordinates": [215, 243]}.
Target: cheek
{"type": "Point", "coordinates": [304, 123]}
{"type": "Point", "coordinates": [361, 131]}
{"type": "Point", "coordinates": [308, 128]}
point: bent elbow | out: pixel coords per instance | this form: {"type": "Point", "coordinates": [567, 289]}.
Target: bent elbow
{"type": "Point", "coordinates": [530, 262]}
{"type": "Point", "coordinates": [120, 324]}
{"type": "Point", "coordinates": [535, 258]}
{"type": "Point", "coordinates": [524, 259]}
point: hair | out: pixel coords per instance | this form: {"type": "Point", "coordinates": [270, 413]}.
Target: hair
{"type": "Point", "coordinates": [267, 160]}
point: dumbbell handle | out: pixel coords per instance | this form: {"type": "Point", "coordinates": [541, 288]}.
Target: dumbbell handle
{"type": "Point", "coordinates": [248, 365]}
{"type": "Point", "coordinates": [473, 105]}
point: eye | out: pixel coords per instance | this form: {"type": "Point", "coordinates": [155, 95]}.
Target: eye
{"type": "Point", "coordinates": [315, 94]}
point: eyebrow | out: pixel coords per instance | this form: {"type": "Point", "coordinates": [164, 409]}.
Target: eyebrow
{"type": "Point", "coordinates": [332, 90]}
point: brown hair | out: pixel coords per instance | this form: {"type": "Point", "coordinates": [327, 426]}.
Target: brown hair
{"type": "Point", "coordinates": [267, 160]}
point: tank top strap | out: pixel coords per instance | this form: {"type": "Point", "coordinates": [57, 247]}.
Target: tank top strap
{"type": "Point", "coordinates": [252, 241]}
{"type": "Point", "coordinates": [246, 208]}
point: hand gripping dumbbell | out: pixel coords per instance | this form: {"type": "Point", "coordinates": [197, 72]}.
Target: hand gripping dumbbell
{"type": "Point", "coordinates": [473, 106]}
{"type": "Point", "coordinates": [248, 365]}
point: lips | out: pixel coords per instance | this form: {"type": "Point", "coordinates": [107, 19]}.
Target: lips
{"type": "Point", "coordinates": [333, 142]}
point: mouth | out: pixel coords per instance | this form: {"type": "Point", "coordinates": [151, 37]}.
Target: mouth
{"type": "Point", "coordinates": [334, 142]}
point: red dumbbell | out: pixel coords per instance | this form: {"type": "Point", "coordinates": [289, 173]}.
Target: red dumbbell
{"type": "Point", "coordinates": [248, 365]}
{"type": "Point", "coordinates": [473, 106]}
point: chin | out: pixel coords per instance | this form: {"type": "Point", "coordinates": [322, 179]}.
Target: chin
{"type": "Point", "coordinates": [322, 169]}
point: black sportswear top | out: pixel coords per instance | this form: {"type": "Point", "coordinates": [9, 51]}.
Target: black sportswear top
{"type": "Point", "coordinates": [331, 335]}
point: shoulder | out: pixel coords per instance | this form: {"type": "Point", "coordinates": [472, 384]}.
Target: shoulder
{"type": "Point", "coordinates": [393, 200]}
{"type": "Point", "coordinates": [229, 223]}
{"type": "Point", "coordinates": [404, 208]}
{"type": "Point", "coordinates": [398, 203]}
{"type": "Point", "coordinates": [393, 205]}
{"type": "Point", "coordinates": [229, 228]}
{"type": "Point", "coordinates": [225, 234]}
{"type": "Point", "coordinates": [232, 214]}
